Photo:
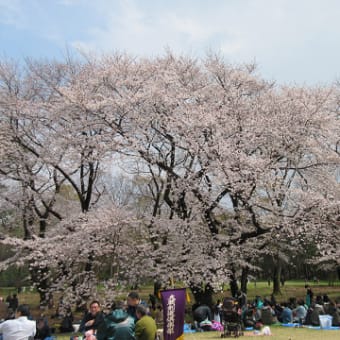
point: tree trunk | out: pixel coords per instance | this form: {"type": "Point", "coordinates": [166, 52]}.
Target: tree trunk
{"type": "Point", "coordinates": [42, 227]}
{"type": "Point", "coordinates": [233, 285]}
{"type": "Point", "coordinates": [277, 278]}
{"type": "Point", "coordinates": [157, 286]}
{"type": "Point", "coordinates": [203, 294]}
{"type": "Point", "coordinates": [28, 220]}
{"type": "Point", "coordinates": [244, 279]}
{"type": "Point", "coordinates": [40, 278]}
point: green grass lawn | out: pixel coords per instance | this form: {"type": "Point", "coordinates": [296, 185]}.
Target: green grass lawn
{"type": "Point", "coordinates": [292, 289]}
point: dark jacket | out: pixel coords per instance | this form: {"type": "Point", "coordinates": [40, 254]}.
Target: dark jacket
{"type": "Point", "coordinates": [67, 323]}
{"type": "Point", "coordinates": [317, 310]}
{"type": "Point", "coordinates": [131, 310]}
{"type": "Point", "coordinates": [286, 315]}
{"type": "Point", "coordinates": [98, 320]}
{"type": "Point", "coordinates": [43, 332]}
{"type": "Point", "coordinates": [202, 313]}
{"type": "Point", "coordinates": [118, 325]}
{"type": "Point", "coordinates": [335, 313]}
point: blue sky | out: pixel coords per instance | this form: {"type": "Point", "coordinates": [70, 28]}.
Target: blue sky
{"type": "Point", "coordinates": [292, 41]}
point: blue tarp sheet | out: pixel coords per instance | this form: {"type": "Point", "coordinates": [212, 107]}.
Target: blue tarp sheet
{"type": "Point", "coordinates": [296, 325]}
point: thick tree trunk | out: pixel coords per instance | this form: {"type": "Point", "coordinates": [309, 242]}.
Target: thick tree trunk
{"type": "Point", "coordinates": [203, 294]}
{"type": "Point", "coordinates": [157, 286]}
{"type": "Point", "coordinates": [233, 285]}
{"type": "Point", "coordinates": [244, 279]}
{"type": "Point", "coordinates": [42, 227]}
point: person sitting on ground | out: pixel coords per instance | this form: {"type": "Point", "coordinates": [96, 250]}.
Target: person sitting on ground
{"type": "Point", "coordinates": [317, 310]}
{"type": "Point", "coordinates": [248, 316]}
{"type": "Point", "coordinates": [268, 314]}
{"type": "Point", "coordinates": [217, 311]}
{"type": "Point", "coordinates": [287, 314]}
{"type": "Point", "coordinates": [133, 300]}
{"type": "Point", "coordinates": [118, 324]}
{"type": "Point", "coordinates": [326, 306]}
{"type": "Point", "coordinates": [335, 313]}
{"type": "Point", "coordinates": [19, 328]}
{"type": "Point", "coordinates": [202, 317]}
{"type": "Point", "coordinates": [300, 312]}
{"type": "Point", "coordinates": [43, 330]}
{"type": "Point", "coordinates": [278, 310]}
{"type": "Point", "coordinates": [257, 314]}
{"type": "Point", "coordinates": [67, 321]}
{"type": "Point", "coordinates": [308, 318]}
{"type": "Point", "coordinates": [157, 314]}
{"type": "Point", "coordinates": [146, 328]}
{"type": "Point", "coordinates": [92, 319]}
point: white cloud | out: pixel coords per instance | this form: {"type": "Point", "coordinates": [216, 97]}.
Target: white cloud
{"type": "Point", "coordinates": [279, 34]}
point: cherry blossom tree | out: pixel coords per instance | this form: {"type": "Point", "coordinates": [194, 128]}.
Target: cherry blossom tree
{"type": "Point", "coordinates": [235, 145]}
{"type": "Point", "coordinates": [231, 165]}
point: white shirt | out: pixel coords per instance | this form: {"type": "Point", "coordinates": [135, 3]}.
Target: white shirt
{"type": "Point", "coordinates": [17, 329]}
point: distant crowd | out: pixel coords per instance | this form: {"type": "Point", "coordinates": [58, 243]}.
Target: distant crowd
{"type": "Point", "coordinates": [267, 311]}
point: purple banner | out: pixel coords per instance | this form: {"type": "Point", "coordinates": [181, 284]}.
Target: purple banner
{"type": "Point", "coordinates": [173, 301]}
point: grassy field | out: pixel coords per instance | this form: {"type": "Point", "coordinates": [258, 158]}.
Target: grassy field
{"type": "Point", "coordinates": [261, 288]}
{"type": "Point", "coordinates": [293, 289]}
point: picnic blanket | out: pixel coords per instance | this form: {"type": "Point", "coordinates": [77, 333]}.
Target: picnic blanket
{"type": "Point", "coordinates": [297, 325]}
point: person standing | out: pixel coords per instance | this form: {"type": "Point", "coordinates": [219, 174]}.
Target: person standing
{"type": "Point", "coordinates": [146, 328]}
{"type": "Point", "coordinates": [309, 295]}
{"type": "Point", "coordinates": [19, 328]}
{"type": "Point", "coordinates": [14, 302]}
